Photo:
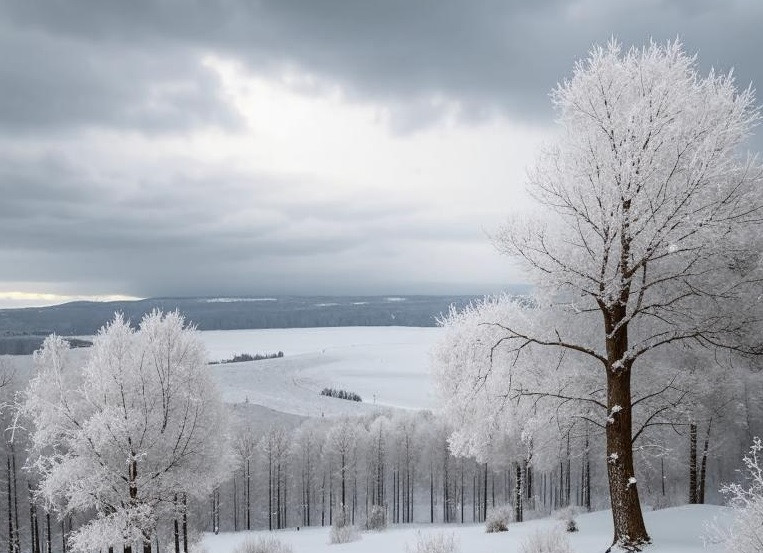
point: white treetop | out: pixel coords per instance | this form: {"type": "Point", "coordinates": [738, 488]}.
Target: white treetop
{"type": "Point", "coordinates": [643, 245]}
{"type": "Point", "coordinates": [122, 435]}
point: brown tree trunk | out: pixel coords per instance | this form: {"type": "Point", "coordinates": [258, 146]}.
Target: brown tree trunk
{"type": "Point", "coordinates": [629, 529]}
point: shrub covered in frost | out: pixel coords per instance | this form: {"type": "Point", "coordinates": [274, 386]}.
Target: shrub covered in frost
{"type": "Point", "coordinates": [342, 531]}
{"type": "Point", "coordinates": [343, 534]}
{"type": "Point", "coordinates": [553, 540]}
{"type": "Point", "coordinates": [498, 519]}
{"type": "Point", "coordinates": [567, 516]}
{"type": "Point", "coordinates": [746, 498]}
{"type": "Point", "coordinates": [440, 542]}
{"type": "Point", "coordinates": [377, 518]}
{"type": "Point", "coordinates": [267, 544]}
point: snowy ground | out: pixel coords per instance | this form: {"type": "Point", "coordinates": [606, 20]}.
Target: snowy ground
{"type": "Point", "coordinates": [675, 530]}
{"type": "Point", "coordinates": [387, 366]}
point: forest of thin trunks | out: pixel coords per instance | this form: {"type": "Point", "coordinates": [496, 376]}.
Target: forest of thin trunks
{"type": "Point", "coordinates": [287, 477]}
{"type": "Point", "coordinates": [302, 476]}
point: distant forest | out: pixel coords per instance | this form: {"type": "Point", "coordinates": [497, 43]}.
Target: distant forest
{"type": "Point", "coordinates": [22, 330]}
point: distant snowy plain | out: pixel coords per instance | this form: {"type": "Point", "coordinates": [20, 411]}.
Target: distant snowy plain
{"type": "Point", "coordinates": [674, 530]}
{"type": "Point", "coordinates": [387, 366]}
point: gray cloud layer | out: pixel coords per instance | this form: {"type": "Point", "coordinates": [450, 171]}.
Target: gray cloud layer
{"type": "Point", "coordinates": [113, 62]}
{"type": "Point", "coordinates": [70, 66]}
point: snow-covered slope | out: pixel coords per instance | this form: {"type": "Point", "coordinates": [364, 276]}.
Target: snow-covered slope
{"type": "Point", "coordinates": [675, 530]}
{"type": "Point", "coordinates": [387, 366]}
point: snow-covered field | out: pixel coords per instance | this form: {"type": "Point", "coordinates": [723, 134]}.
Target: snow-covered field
{"type": "Point", "coordinates": [387, 366]}
{"type": "Point", "coordinates": [675, 530]}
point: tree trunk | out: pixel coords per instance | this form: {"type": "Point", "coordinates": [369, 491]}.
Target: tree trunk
{"type": "Point", "coordinates": [48, 544]}
{"type": "Point", "coordinates": [587, 474]}
{"type": "Point", "coordinates": [703, 465]}
{"type": "Point", "coordinates": [462, 490]}
{"type": "Point", "coordinates": [331, 497]}
{"type": "Point", "coordinates": [177, 527]}
{"type": "Point", "coordinates": [431, 493]}
{"type": "Point", "coordinates": [518, 494]}
{"type": "Point", "coordinates": [484, 494]}
{"type": "Point", "coordinates": [323, 500]}
{"type": "Point", "coordinates": [185, 523]}
{"type": "Point", "coordinates": [412, 499]}
{"type": "Point", "coordinates": [629, 529]}
{"type": "Point", "coordinates": [10, 509]}
{"type": "Point", "coordinates": [235, 503]}
{"type": "Point", "coordinates": [568, 473]}
{"type": "Point", "coordinates": [270, 491]}
{"type": "Point", "coordinates": [278, 495]}
{"type": "Point", "coordinates": [692, 463]}
{"type": "Point", "coordinates": [248, 497]}
{"type": "Point", "coordinates": [33, 529]}
{"type": "Point", "coordinates": [16, 544]}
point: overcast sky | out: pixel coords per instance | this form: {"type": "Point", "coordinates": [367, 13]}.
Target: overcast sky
{"type": "Point", "coordinates": [238, 147]}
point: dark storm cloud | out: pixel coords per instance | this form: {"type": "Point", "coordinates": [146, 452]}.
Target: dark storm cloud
{"type": "Point", "coordinates": [102, 61]}
{"type": "Point", "coordinates": [52, 82]}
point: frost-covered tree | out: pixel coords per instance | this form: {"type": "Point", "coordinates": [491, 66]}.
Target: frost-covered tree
{"type": "Point", "coordinates": [306, 450]}
{"type": "Point", "coordinates": [122, 436]}
{"type": "Point", "coordinates": [245, 449]}
{"type": "Point", "coordinates": [274, 447]}
{"type": "Point", "coordinates": [642, 244]}
{"type": "Point", "coordinates": [745, 534]}
{"type": "Point", "coordinates": [341, 447]}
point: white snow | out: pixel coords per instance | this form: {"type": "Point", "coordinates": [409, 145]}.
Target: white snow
{"type": "Point", "coordinates": [235, 300]}
{"type": "Point", "coordinates": [387, 366]}
{"type": "Point", "coordinates": [675, 530]}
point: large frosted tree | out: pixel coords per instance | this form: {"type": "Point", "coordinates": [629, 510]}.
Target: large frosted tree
{"type": "Point", "coordinates": [123, 435]}
{"type": "Point", "coordinates": [641, 242]}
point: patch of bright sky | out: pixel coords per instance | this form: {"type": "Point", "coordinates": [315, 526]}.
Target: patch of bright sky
{"type": "Point", "coordinates": [452, 173]}
{"type": "Point", "coordinates": [15, 299]}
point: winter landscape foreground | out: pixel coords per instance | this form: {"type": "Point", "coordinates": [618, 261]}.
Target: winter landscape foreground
{"type": "Point", "coordinates": [675, 530]}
